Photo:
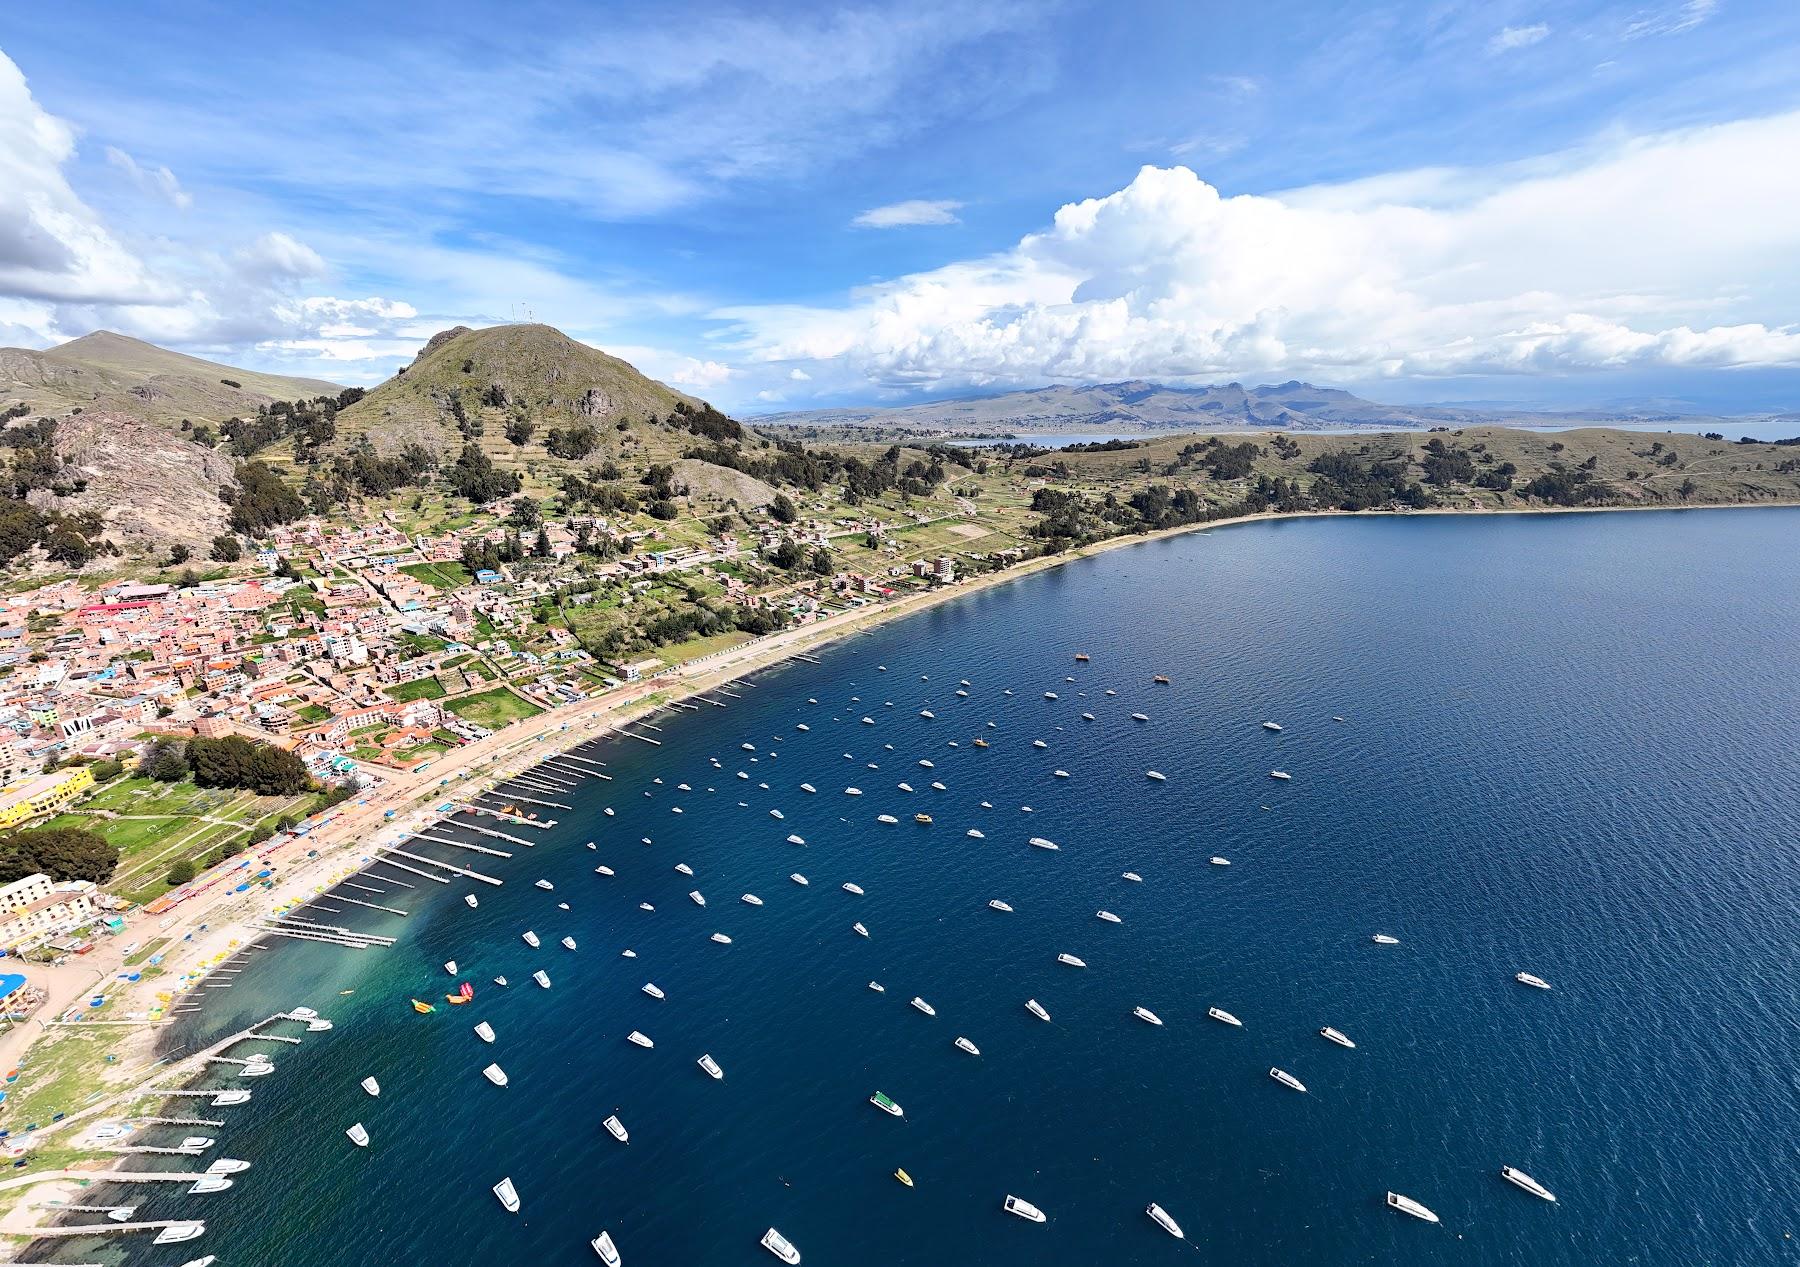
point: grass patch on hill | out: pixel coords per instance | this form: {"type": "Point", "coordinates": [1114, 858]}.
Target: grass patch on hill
{"type": "Point", "coordinates": [444, 576]}
{"type": "Point", "coordinates": [423, 688]}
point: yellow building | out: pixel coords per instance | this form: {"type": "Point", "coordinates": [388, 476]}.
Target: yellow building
{"type": "Point", "coordinates": [46, 794]}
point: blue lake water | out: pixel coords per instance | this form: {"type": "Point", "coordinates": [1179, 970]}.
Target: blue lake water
{"type": "Point", "coordinates": [1570, 747]}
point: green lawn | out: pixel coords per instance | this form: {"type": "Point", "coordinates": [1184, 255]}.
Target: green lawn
{"type": "Point", "coordinates": [310, 713]}
{"type": "Point", "coordinates": [423, 688]}
{"type": "Point", "coordinates": [444, 576]}
{"type": "Point", "coordinates": [493, 709]}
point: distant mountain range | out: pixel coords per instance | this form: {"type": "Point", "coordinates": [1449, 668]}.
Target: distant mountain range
{"type": "Point", "coordinates": [1138, 405]}
{"type": "Point", "coordinates": [111, 372]}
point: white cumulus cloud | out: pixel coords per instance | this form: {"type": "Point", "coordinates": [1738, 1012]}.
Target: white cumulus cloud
{"type": "Point", "coordinates": [1676, 249]}
{"type": "Point", "coordinates": [914, 211]}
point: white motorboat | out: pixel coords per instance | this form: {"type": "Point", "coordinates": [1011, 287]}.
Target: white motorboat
{"type": "Point", "coordinates": [1061, 774]}
{"type": "Point", "coordinates": [1145, 1014]}
{"type": "Point", "coordinates": [1161, 1218]}
{"type": "Point", "coordinates": [371, 1086]}
{"type": "Point", "coordinates": [904, 787]}
{"type": "Point", "coordinates": [542, 978]}
{"type": "Point", "coordinates": [1536, 983]}
{"type": "Point", "coordinates": [1156, 776]}
{"type": "Point", "coordinates": [568, 943]}
{"type": "Point", "coordinates": [886, 818]}
{"type": "Point", "coordinates": [211, 1184]}
{"type": "Point", "coordinates": [176, 1233]}
{"type": "Point", "coordinates": [484, 1031]}
{"type": "Point", "coordinates": [796, 840]}
{"type": "Point", "coordinates": [495, 1074]}
{"type": "Point", "coordinates": [963, 1044]}
{"type": "Point", "coordinates": [684, 869]}
{"type": "Point", "coordinates": [780, 1246]}
{"type": "Point", "coordinates": [603, 1246]}
{"type": "Point", "coordinates": [1336, 1036]}
{"type": "Point", "coordinates": [852, 791]}
{"type": "Point", "coordinates": [927, 714]}
{"type": "Point", "coordinates": [1023, 1208]}
{"type": "Point", "coordinates": [628, 954]}
{"type": "Point", "coordinates": [603, 871]}
{"type": "Point", "coordinates": [975, 833]}
{"type": "Point", "coordinates": [711, 1066]}
{"type": "Point", "coordinates": [509, 1195]}
{"type": "Point", "coordinates": [645, 906]}
{"type": "Point", "coordinates": [775, 813]}
{"type": "Point", "coordinates": [1287, 1079]}
{"type": "Point", "coordinates": [616, 1129]}
{"type": "Point", "coordinates": [750, 899]}
{"type": "Point", "coordinates": [545, 885]}
{"type": "Point", "coordinates": [1520, 1179]}
{"type": "Point", "coordinates": [1269, 725]}
{"type": "Point", "coordinates": [697, 897]}
{"type": "Point", "coordinates": [1382, 939]}
{"type": "Point", "coordinates": [1050, 695]}
{"type": "Point", "coordinates": [1220, 1014]}
{"type": "Point", "coordinates": [1139, 717]}
{"type": "Point", "coordinates": [198, 1143]}
{"type": "Point", "coordinates": [500, 981]}
{"type": "Point", "coordinates": [881, 1101]}
{"type": "Point", "coordinates": [228, 1166]}
{"type": "Point", "coordinates": [358, 1134]}
{"type": "Point", "coordinates": [1282, 775]}
{"type": "Point", "coordinates": [653, 990]}
{"type": "Point", "coordinates": [1133, 876]}
{"type": "Point", "coordinates": [1041, 843]}
{"type": "Point", "coordinates": [799, 879]}
{"type": "Point", "coordinates": [995, 904]}
{"type": "Point", "coordinates": [1406, 1205]}
{"type": "Point", "coordinates": [878, 987]}
{"type": "Point", "coordinates": [638, 1037]}
{"type": "Point", "coordinates": [923, 1006]}
{"type": "Point", "coordinates": [1217, 861]}
{"type": "Point", "coordinates": [450, 966]}
{"type": "Point", "coordinates": [722, 939]}
{"type": "Point", "coordinates": [850, 887]}
{"type": "Point", "coordinates": [1039, 743]}
{"type": "Point", "coordinates": [470, 899]}
{"type": "Point", "coordinates": [1072, 961]}
{"type": "Point", "coordinates": [808, 788]}
{"type": "Point", "coordinates": [1108, 916]}
{"type": "Point", "coordinates": [1087, 717]}
{"type": "Point", "coordinates": [859, 929]}
{"type": "Point", "coordinates": [530, 938]}
{"type": "Point", "coordinates": [1036, 1009]}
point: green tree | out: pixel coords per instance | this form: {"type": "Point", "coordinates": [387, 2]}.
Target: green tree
{"type": "Point", "coordinates": [181, 872]}
{"type": "Point", "coordinates": [62, 853]}
{"type": "Point", "coordinates": [783, 510]}
{"type": "Point", "coordinates": [225, 548]}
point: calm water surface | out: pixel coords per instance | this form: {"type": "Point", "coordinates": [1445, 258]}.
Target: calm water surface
{"type": "Point", "coordinates": [1570, 747]}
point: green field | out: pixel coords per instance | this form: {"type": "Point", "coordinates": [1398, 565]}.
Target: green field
{"type": "Point", "coordinates": [444, 576]}
{"type": "Point", "coordinates": [311, 713]}
{"type": "Point", "coordinates": [423, 688]}
{"type": "Point", "coordinates": [493, 709]}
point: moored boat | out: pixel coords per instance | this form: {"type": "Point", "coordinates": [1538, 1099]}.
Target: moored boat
{"type": "Point", "coordinates": [1023, 1208]}
{"type": "Point", "coordinates": [881, 1101]}
{"type": "Point", "coordinates": [850, 887]}
{"type": "Point", "coordinates": [780, 1246]}
{"type": "Point", "coordinates": [1286, 1079]}
{"type": "Point", "coordinates": [1145, 1014]}
{"type": "Point", "coordinates": [698, 898]}
{"type": "Point", "coordinates": [1108, 917]}
{"type": "Point", "coordinates": [639, 1038]}
{"type": "Point", "coordinates": [484, 1031]}
{"type": "Point", "coordinates": [859, 930]}
{"type": "Point", "coordinates": [1526, 978]}
{"type": "Point", "coordinates": [711, 1066]}
{"type": "Point", "coordinates": [923, 1006]}
{"type": "Point", "coordinates": [997, 905]}
{"type": "Point", "coordinates": [1337, 1036]}
{"type": "Point", "coordinates": [1406, 1205]}
{"type": "Point", "coordinates": [1156, 776]}
{"type": "Point", "coordinates": [750, 899]}
{"type": "Point", "coordinates": [604, 1247]}
{"type": "Point", "coordinates": [1382, 939]}
{"type": "Point", "coordinates": [530, 938]}
{"type": "Point", "coordinates": [1036, 1009]}
{"type": "Point", "coordinates": [508, 1195]}
{"type": "Point", "coordinates": [1071, 960]}
{"type": "Point", "coordinates": [1161, 1218]}
{"type": "Point", "coordinates": [371, 1086]}
{"type": "Point", "coordinates": [616, 1129]}
{"type": "Point", "coordinates": [1518, 1178]}
{"type": "Point", "coordinates": [963, 1044]}
{"type": "Point", "coordinates": [495, 1074]}
{"type": "Point", "coordinates": [652, 989]}
{"type": "Point", "coordinates": [358, 1134]}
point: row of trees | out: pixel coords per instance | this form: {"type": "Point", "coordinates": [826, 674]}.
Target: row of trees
{"type": "Point", "coordinates": [62, 853]}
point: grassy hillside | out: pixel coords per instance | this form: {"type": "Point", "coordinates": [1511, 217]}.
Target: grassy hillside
{"type": "Point", "coordinates": [474, 384]}
{"type": "Point", "coordinates": [104, 371]}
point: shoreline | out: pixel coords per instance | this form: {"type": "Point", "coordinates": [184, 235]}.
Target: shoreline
{"type": "Point", "coordinates": [227, 925]}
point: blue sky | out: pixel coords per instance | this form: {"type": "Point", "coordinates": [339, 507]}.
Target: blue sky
{"type": "Point", "coordinates": [1561, 203]}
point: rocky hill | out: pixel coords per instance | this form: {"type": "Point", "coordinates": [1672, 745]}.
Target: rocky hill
{"type": "Point", "coordinates": [472, 384]}
{"type": "Point", "coordinates": [110, 372]}
{"type": "Point", "coordinates": [153, 487]}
